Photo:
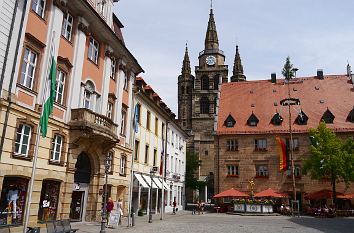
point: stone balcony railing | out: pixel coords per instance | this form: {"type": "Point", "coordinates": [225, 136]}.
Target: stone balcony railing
{"type": "Point", "coordinates": [97, 124]}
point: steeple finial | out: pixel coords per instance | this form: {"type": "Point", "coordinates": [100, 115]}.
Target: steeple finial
{"type": "Point", "coordinates": [211, 38]}
{"type": "Point", "coordinates": [186, 67]}
{"type": "Point", "coordinates": [238, 75]}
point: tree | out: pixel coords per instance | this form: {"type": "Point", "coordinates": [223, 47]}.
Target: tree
{"type": "Point", "coordinates": [192, 164]}
{"type": "Point", "coordinates": [330, 158]}
{"type": "Point", "coordinates": [288, 69]}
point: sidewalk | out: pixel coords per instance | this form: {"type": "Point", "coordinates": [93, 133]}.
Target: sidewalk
{"type": "Point", "coordinates": [94, 227]}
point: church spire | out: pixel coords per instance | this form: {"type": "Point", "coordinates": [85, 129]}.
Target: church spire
{"type": "Point", "coordinates": [211, 38]}
{"type": "Point", "coordinates": [186, 67]}
{"type": "Point", "coordinates": [238, 75]}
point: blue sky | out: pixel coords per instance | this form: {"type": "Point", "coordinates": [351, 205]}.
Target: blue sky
{"type": "Point", "coordinates": [316, 34]}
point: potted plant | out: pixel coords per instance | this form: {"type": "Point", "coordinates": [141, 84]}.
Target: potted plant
{"type": "Point", "coordinates": [140, 212]}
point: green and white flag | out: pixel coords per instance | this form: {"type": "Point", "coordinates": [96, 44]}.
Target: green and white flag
{"type": "Point", "coordinates": [49, 97]}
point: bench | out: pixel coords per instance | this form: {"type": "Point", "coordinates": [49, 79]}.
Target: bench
{"type": "Point", "coordinates": [60, 226]}
{"type": "Point", "coordinates": [5, 229]}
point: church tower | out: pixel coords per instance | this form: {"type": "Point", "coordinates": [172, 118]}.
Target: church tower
{"type": "Point", "coordinates": [238, 75]}
{"type": "Point", "coordinates": [185, 88]}
{"type": "Point", "coordinates": [209, 74]}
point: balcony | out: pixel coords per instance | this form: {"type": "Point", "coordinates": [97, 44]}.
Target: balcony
{"type": "Point", "coordinates": [93, 126]}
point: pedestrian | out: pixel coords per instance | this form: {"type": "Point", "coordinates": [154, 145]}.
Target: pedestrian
{"type": "Point", "coordinates": [120, 211]}
{"type": "Point", "coordinates": [202, 207]}
{"type": "Point", "coordinates": [194, 207]}
{"type": "Point", "coordinates": [109, 208]}
{"type": "Point", "coordinates": [174, 205]}
{"type": "Point", "coordinates": [199, 207]}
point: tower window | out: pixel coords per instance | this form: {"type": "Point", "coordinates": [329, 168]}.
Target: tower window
{"type": "Point", "coordinates": [205, 83]}
{"type": "Point", "coordinates": [216, 82]}
{"type": "Point", "coordinates": [204, 105]}
{"type": "Point", "coordinates": [328, 117]}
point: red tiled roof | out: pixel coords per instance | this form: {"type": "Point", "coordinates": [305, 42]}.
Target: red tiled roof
{"type": "Point", "coordinates": [231, 193]}
{"type": "Point", "coordinates": [240, 99]}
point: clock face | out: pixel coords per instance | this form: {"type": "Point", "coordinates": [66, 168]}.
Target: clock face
{"type": "Point", "coordinates": [210, 60]}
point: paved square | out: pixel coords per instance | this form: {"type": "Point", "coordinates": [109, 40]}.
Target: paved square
{"type": "Point", "coordinates": [223, 223]}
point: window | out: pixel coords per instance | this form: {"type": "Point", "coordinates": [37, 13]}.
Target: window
{"type": "Point", "coordinates": [157, 126]}
{"type": "Point", "coordinates": [139, 113]}
{"type": "Point", "coordinates": [88, 95]}
{"type": "Point", "coordinates": [232, 170]}
{"type": "Point", "coordinates": [204, 83]}
{"type": "Point", "coordinates": [28, 68]}
{"type": "Point", "coordinates": [59, 88]}
{"type": "Point", "coordinates": [162, 129]}
{"type": "Point", "coordinates": [136, 155]}
{"type": "Point", "coordinates": [302, 118]}
{"type": "Point", "coordinates": [125, 85]}
{"type": "Point", "coordinates": [23, 139]}
{"type": "Point", "coordinates": [173, 138]}
{"type": "Point", "coordinates": [277, 119]}
{"type": "Point", "coordinates": [101, 5]}
{"type": "Point", "coordinates": [297, 171]}
{"type": "Point", "coordinates": [93, 50]}
{"type": "Point", "coordinates": [252, 120]}
{"type": "Point", "coordinates": [38, 6]}
{"type": "Point", "coordinates": [295, 144]}
{"type": "Point", "coordinates": [155, 157]}
{"type": "Point", "coordinates": [110, 110]}
{"type": "Point", "coordinates": [122, 125]}
{"type": "Point", "coordinates": [48, 204]}
{"type": "Point", "coordinates": [260, 144]}
{"type": "Point", "coordinates": [262, 171]}
{"type": "Point", "coordinates": [216, 82]}
{"type": "Point", "coordinates": [113, 69]}
{"type": "Point", "coordinates": [110, 162]}
{"type": "Point", "coordinates": [231, 145]}
{"type": "Point", "coordinates": [146, 160]}
{"type": "Point", "coordinates": [123, 161]}
{"type": "Point", "coordinates": [148, 116]}
{"type": "Point", "coordinates": [204, 105]}
{"type": "Point", "coordinates": [67, 26]}
{"type": "Point", "coordinates": [328, 117]}
{"type": "Point", "coordinates": [57, 147]}
{"type": "Point", "coordinates": [230, 121]}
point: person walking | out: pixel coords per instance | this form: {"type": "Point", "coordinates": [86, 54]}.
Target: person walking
{"type": "Point", "coordinates": [174, 205]}
{"type": "Point", "coordinates": [109, 208]}
{"type": "Point", "coordinates": [120, 211]}
{"type": "Point", "coordinates": [199, 207]}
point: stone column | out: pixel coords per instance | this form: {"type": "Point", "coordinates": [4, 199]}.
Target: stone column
{"type": "Point", "coordinates": [148, 203]}
{"type": "Point", "coordinates": [206, 194]}
{"type": "Point", "coordinates": [157, 200]}
{"type": "Point", "coordinates": [106, 78]}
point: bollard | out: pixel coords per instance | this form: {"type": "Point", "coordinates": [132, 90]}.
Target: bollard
{"type": "Point", "coordinates": [133, 219]}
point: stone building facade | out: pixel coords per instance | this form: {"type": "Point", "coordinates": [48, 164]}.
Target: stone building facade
{"type": "Point", "coordinates": [90, 120]}
{"type": "Point", "coordinates": [245, 141]}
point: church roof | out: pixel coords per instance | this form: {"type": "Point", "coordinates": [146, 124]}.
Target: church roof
{"type": "Point", "coordinates": [211, 37]}
{"type": "Point", "coordinates": [241, 99]}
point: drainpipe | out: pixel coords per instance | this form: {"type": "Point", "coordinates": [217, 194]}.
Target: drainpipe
{"type": "Point", "coordinates": [218, 163]}
{"type": "Point", "coordinates": [9, 97]}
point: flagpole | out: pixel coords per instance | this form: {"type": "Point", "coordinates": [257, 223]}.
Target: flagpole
{"type": "Point", "coordinates": [35, 156]}
{"type": "Point", "coordinates": [163, 175]}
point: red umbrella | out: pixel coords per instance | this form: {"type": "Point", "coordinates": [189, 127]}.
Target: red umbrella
{"type": "Point", "coordinates": [322, 194]}
{"type": "Point", "coordinates": [231, 193]}
{"type": "Point", "coordinates": [270, 193]}
{"type": "Point", "coordinates": [346, 196]}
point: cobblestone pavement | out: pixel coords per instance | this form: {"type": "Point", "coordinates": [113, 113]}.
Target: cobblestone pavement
{"type": "Point", "coordinates": [209, 223]}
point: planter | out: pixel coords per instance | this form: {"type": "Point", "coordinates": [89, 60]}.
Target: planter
{"type": "Point", "coordinates": [253, 208]}
{"type": "Point", "coordinates": [267, 209]}
{"type": "Point", "coordinates": [239, 207]}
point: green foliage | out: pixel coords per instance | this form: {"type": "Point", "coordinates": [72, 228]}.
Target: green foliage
{"type": "Point", "coordinates": [192, 164]}
{"type": "Point", "coordinates": [288, 70]}
{"type": "Point", "coordinates": [330, 157]}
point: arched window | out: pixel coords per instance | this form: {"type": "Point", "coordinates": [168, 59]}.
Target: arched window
{"type": "Point", "coordinates": [216, 82]}
{"type": "Point", "coordinates": [88, 95]}
{"type": "Point", "coordinates": [204, 83]}
{"type": "Point", "coordinates": [204, 105]}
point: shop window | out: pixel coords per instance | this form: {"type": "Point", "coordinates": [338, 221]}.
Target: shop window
{"type": "Point", "coordinates": [48, 204]}
{"type": "Point", "coordinates": [28, 70]}
{"type": "Point", "coordinates": [231, 145]}
{"type": "Point", "coordinates": [57, 148]}
{"type": "Point", "coordinates": [262, 171]}
{"type": "Point", "coordinates": [13, 201]}
{"type": "Point", "coordinates": [38, 6]}
{"type": "Point", "coordinates": [67, 27]}
{"type": "Point", "coordinates": [260, 144]}
{"type": "Point", "coordinates": [23, 140]}
{"type": "Point", "coordinates": [232, 170]}
{"type": "Point", "coordinates": [93, 50]}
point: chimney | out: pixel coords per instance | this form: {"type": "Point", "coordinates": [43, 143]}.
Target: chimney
{"type": "Point", "coordinates": [273, 77]}
{"type": "Point", "coordinates": [320, 74]}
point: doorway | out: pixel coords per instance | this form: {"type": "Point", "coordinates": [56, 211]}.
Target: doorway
{"type": "Point", "coordinates": [77, 204]}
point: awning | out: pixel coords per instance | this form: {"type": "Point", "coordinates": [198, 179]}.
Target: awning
{"type": "Point", "coordinates": [148, 180]}
{"type": "Point", "coordinates": [165, 185]}
{"type": "Point", "coordinates": [141, 180]}
{"type": "Point", "coordinates": [157, 182]}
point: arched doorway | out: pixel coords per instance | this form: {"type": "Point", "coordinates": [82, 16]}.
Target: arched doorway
{"type": "Point", "coordinates": [82, 179]}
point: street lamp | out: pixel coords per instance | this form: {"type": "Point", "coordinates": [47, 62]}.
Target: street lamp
{"type": "Point", "coordinates": [152, 172]}
{"type": "Point", "coordinates": [288, 102]}
{"type": "Point", "coordinates": [107, 168]}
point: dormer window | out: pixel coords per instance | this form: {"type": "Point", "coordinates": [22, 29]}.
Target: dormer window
{"type": "Point", "coordinates": [230, 121]}
{"type": "Point", "coordinates": [328, 117]}
{"type": "Point", "coordinates": [277, 119]}
{"type": "Point", "coordinates": [302, 118]}
{"type": "Point", "coordinates": [252, 120]}
{"type": "Point", "coordinates": [350, 117]}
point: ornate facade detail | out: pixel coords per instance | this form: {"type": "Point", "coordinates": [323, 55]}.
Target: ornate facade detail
{"type": "Point", "coordinates": [84, 28]}
{"type": "Point", "coordinates": [238, 75]}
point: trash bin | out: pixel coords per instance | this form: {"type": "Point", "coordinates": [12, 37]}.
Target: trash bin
{"type": "Point", "coordinates": [34, 230]}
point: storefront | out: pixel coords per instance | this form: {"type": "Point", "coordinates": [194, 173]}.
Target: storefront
{"type": "Point", "coordinates": [13, 200]}
{"type": "Point", "coordinates": [48, 205]}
